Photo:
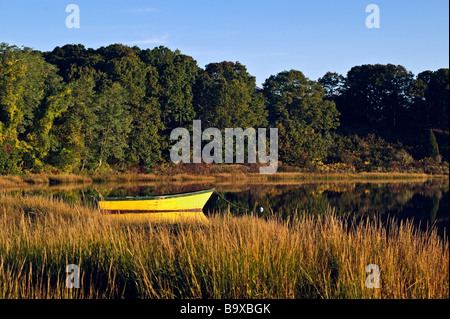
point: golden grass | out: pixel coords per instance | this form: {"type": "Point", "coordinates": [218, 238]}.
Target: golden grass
{"type": "Point", "coordinates": [10, 181]}
{"type": "Point", "coordinates": [228, 257]}
{"type": "Point", "coordinates": [7, 181]}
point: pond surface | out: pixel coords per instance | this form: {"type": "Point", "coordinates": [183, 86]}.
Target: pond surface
{"type": "Point", "coordinates": [425, 202]}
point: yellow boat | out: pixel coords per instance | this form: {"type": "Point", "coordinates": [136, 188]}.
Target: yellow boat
{"type": "Point", "coordinates": [173, 207]}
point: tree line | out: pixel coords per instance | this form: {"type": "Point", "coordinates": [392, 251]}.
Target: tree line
{"type": "Point", "coordinates": [78, 109]}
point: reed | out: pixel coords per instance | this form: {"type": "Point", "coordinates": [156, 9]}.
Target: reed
{"type": "Point", "coordinates": [11, 181]}
{"type": "Point", "coordinates": [7, 181]}
{"type": "Point", "coordinates": [228, 257]}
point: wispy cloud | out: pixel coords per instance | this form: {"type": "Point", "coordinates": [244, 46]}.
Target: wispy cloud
{"type": "Point", "coordinates": [158, 40]}
{"type": "Point", "coordinates": [142, 10]}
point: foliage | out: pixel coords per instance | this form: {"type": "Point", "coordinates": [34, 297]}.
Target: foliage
{"type": "Point", "coordinates": [226, 97]}
{"type": "Point", "coordinates": [433, 148]}
{"type": "Point", "coordinates": [75, 109]}
{"type": "Point", "coordinates": [32, 97]}
{"type": "Point", "coordinates": [297, 104]}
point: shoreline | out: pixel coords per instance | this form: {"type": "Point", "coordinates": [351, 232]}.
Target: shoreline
{"type": "Point", "coordinates": [7, 181]}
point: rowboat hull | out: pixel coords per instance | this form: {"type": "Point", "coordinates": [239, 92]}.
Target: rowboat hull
{"type": "Point", "coordinates": [175, 207]}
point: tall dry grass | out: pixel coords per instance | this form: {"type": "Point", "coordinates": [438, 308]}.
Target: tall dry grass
{"type": "Point", "coordinates": [222, 173]}
{"type": "Point", "coordinates": [228, 257]}
{"type": "Point", "coordinates": [7, 181]}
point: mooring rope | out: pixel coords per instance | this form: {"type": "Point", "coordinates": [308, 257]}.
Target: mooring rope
{"type": "Point", "coordinates": [246, 209]}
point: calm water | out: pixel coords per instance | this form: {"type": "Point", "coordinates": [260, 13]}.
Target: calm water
{"type": "Point", "coordinates": [427, 203]}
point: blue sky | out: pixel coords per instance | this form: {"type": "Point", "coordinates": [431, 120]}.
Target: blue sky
{"type": "Point", "coordinates": [266, 36]}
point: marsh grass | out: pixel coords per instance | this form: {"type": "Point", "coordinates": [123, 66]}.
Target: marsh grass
{"type": "Point", "coordinates": [222, 173]}
{"type": "Point", "coordinates": [228, 257]}
{"type": "Point", "coordinates": [40, 179]}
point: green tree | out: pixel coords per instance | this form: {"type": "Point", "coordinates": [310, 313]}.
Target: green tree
{"type": "Point", "coordinates": [298, 106]}
{"type": "Point", "coordinates": [140, 82]}
{"type": "Point", "coordinates": [32, 96]}
{"type": "Point", "coordinates": [226, 97]}
{"type": "Point", "coordinates": [334, 85]}
{"type": "Point", "coordinates": [74, 131]}
{"type": "Point", "coordinates": [433, 147]}
{"type": "Point", "coordinates": [176, 76]}
{"type": "Point", "coordinates": [433, 104]}
{"type": "Point", "coordinates": [377, 95]}
{"type": "Point", "coordinates": [72, 56]}
{"type": "Point", "coordinates": [113, 126]}
{"type": "Point", "coordinates": [42, 138]}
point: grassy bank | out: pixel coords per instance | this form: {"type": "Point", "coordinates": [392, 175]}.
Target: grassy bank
{"type": "Point", "coordinates": [229, 257]}
{"type": "Point", "coordinates": [211, 177]}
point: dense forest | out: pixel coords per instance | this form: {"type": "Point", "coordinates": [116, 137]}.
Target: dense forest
{"type": "Point", "coordinates": [75, 110]}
